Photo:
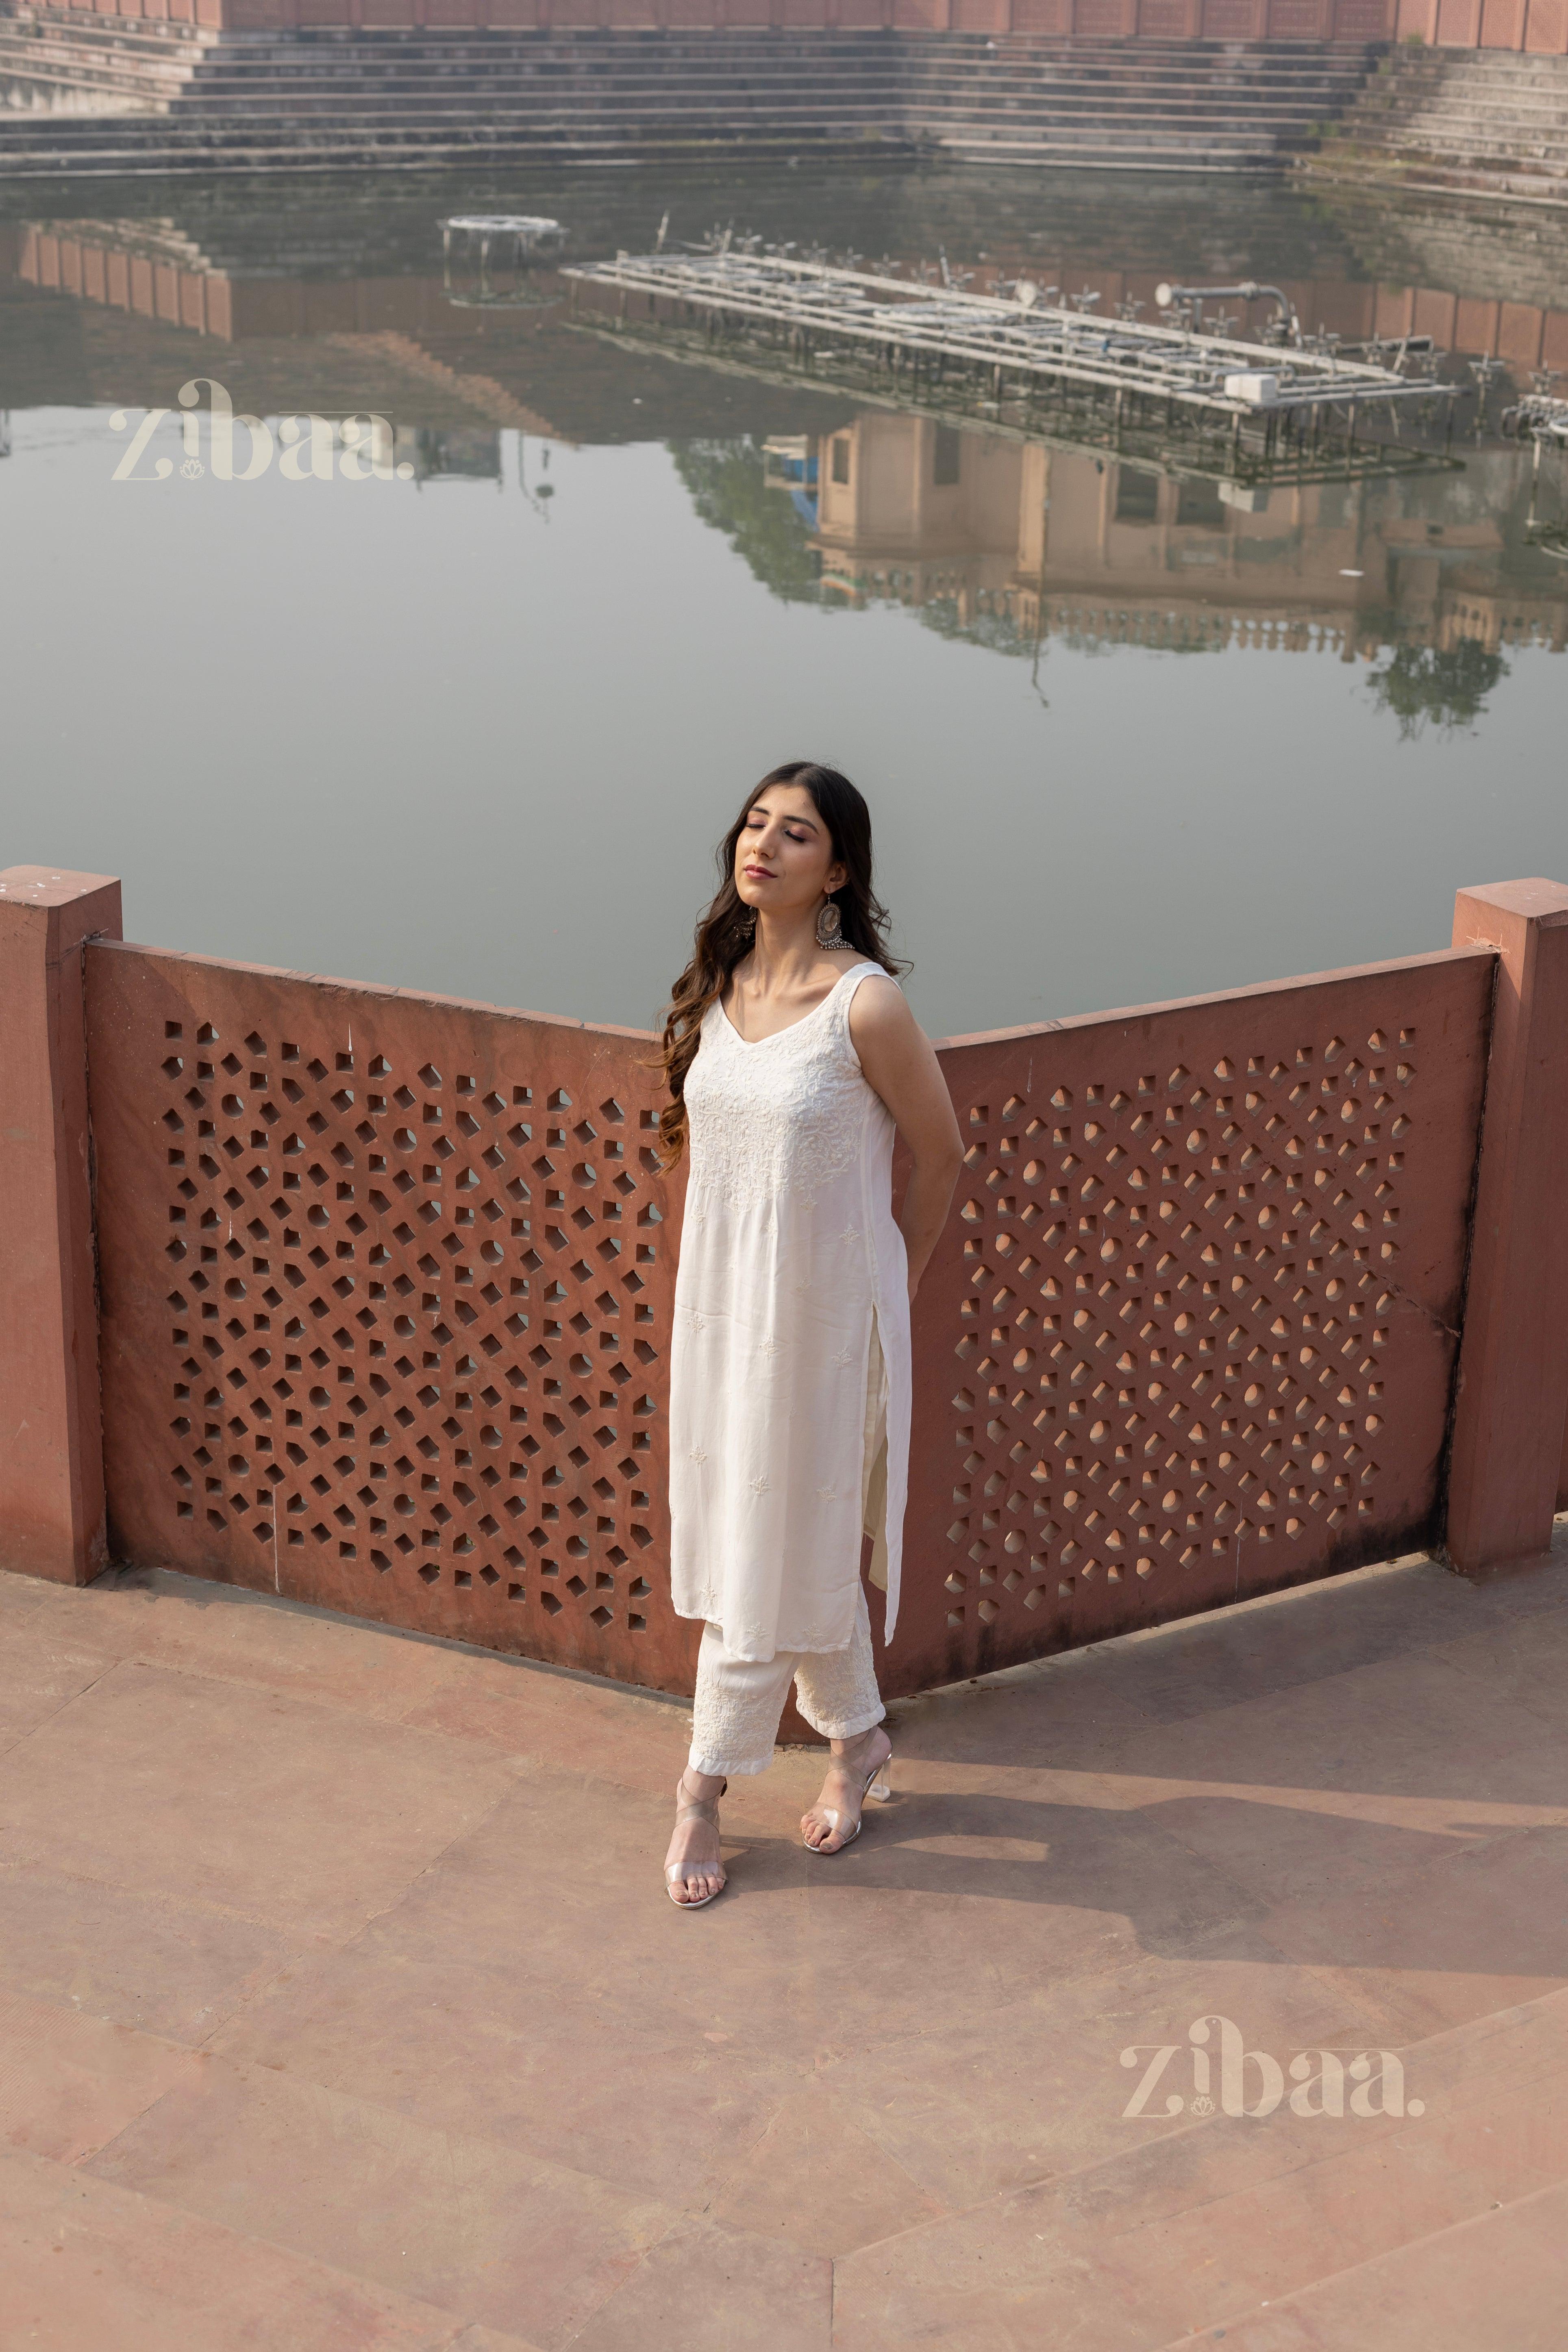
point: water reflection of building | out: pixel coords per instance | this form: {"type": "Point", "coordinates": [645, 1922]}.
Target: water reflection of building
{"type": "Point", "coordinates": [369, 310]}
{"type": "Point", "coordinates": [1012, 540]}
{"type": "Point", "coordinates": [142, 300]}
{"type": "Point", "coordinates": [985, 535]}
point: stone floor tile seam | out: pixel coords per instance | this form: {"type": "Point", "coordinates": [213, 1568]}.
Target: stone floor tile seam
{"type": "Point", "coordinates": [1474, 1842]}
{"type": "Point", "coordinates": [341, 1711]}
{"type": "Point", "coordinates": [1454, 1858]}
{"type": "Point", "coordinates": [889, 2161]}
{"type": "Point", "coordinates": [1066, 1980]}
{"type": "Point", "coordinates": [653, 1704]}
{"type": "Point", "coordinates": [1254, 1604]}
{"type": "Point", "coordinates": [1291, 2173]}
{"type": "Point", "coordinates": [1207, 2334]}
{"type": "Point", "coordinates": [1121, 1654]}
{"type": "Point", "coordinates": [681, 2221]}
{"type": "Point", "coordinates": [15, 1997]}
{"type": "Point", "coordinates": [54, 1651]}
{"type": "Point", "coordinates": [692, 2227]}
{"type": "Point", "coordinates": [326, 1705]}
{"type": "Point", "coordinates": [406, 1713]}
{"type": "Point", "coordinates": [1452, 2039]}
{"type": "Point", "coordinates": [25, 1857]}
{"type": "Point", "coordinates": [1518, 1702]}
{"type": "Point", "coordinates": [1117, 1656]}
{"type": "Point", "coordinates": [366, 2279]}
{"type": "Point", "coordinates": [1032, 2186]}
{"type": "Point", "coordinates": [148, 2202]}
{"type": "Point", "coordinates": [1333, 1982]}
{"type": "Point", "coordinates": [1341, 1676]}
{"type": "Point", "coordinates": [390, 2117]}
{"type": "Point", "coordinates": [316, 1703]}
{"type": "Point", "coordinates": [11, 1990]}
{"type": "Point", "coordinates": [257, 1993]}
{"type": "Point", "coordinates": [198, 1592]}
{"type": "Point", "coordinates": [40, 1857]}
{"type": "Point", "coordinates": [109, 1666]}
{"type": "Point", "coordinates": [372, 1918]}
{"type": "Point", "coordinates": [1393, 2129]}
{"type": "Point", "coordinates": [1306, 2164]}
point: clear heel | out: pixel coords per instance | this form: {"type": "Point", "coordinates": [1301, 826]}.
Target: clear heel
{"type": "Point", "coordinates": [877, 1786]}
{"type": "Point", "coordinates": [704, 1808]}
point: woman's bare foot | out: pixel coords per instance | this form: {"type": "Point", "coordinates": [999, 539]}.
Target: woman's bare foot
{"type": "Point", "coordinates": [832, 1821]}
{"type": "Point", "coordinates": [692, 1869]}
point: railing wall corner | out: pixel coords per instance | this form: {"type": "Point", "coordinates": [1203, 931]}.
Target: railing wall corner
{"type": "Point", "coordinates": [51, 1448]}
{"type": "Point", "coordinates": [1507, 1453]}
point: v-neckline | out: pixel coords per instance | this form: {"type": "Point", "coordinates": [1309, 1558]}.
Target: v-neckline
{"type": "Point", "coordinates": [789, 1026]}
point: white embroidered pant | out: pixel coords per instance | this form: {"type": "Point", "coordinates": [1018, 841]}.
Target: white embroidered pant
{"type": "Point", "coordinates": [739, 1701]}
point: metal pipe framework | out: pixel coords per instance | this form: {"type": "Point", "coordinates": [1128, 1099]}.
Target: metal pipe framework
{"type": "Point", "coordinates": [1021, 338]}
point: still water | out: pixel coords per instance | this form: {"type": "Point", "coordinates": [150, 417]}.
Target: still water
{"type": "Point", "coordinates": [477, 730]}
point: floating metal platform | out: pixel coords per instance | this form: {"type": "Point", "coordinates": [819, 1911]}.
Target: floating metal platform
{"type": "Point", "coordinates": [1115, 382]}
{"type": "Point", "coordinates": [526, 233]}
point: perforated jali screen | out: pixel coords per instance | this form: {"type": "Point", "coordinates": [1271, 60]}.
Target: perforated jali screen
{"type": "Point", "coordinates": [1190, 1332]}
{"type": "Point", "coordinates": [387, 1286]}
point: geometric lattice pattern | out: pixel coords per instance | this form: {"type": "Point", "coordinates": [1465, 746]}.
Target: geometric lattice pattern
{"type": "Point", "coordinates": [1178, 1287]}
{"type": "Point", "coordinates": [387, 1288]}
{"type": "Point", "coordinates": [353, 1263]}
{"type": "Point", "coordinates": [410, 1343]}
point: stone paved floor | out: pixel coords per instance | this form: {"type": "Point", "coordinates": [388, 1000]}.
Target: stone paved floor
{"type": "Point", "coordinates": [342, 2010]}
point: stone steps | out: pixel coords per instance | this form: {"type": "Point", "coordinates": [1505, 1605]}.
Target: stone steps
{"type": "Point", "coordinates": [110, 95]}
{"type": "Point", "coordinates": [490, 103]}
{"type": "Point", "coordinates": [1485, 122]}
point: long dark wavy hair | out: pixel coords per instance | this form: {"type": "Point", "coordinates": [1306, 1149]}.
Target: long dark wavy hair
{"type": "Point", "coordinates": [725, 933]}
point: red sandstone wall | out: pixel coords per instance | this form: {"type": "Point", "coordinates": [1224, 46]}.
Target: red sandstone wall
{"type": "Point", "coordinates": [1537, 25]}
{"type": "Point", "coordinates": [387, 1285]}
{"type": "Point", "coordinates": [386, 1295]}
{"type": "Point", "coordinates": [1163, 20]}
{"type": "Point", "coordinates": [1540, 27]}
{"type": "Point", "coordinates": [1190, 1334]}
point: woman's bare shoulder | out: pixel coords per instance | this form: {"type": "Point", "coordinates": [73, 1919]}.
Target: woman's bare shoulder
{"type": "Point", "coordinates": [879, 1009]}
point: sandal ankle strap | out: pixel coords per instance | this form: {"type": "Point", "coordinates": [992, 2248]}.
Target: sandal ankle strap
{"type": "Point", "coordinates": [702, 1808]}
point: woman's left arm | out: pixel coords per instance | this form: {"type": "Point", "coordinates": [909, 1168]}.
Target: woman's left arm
{"type": "Point", "coordinates": [901, 1065]}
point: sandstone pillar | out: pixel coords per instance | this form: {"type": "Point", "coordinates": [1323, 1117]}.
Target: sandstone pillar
{"type": "Point", "coordinates": [1512, 1396]}
{"type": "Point", "coordinates": [51, 1454]}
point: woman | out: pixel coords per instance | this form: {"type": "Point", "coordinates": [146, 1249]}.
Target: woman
{"type": "Point", "coordinates": [791, 1057]}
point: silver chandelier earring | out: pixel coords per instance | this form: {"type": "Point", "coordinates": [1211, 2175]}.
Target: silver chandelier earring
{"type": "Point", "coordinates": [830, 926]}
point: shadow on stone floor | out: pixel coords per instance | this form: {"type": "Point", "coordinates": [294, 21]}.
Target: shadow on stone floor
{"type": "Point", "coordinates": [340, 2006]}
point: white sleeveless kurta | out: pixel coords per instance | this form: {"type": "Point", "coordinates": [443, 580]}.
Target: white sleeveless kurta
{"type": "Point", "coordinates": [792, 1336]}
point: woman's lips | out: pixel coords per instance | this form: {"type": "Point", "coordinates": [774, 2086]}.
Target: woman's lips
{"type": "Point", "coordinates": [759, 874]}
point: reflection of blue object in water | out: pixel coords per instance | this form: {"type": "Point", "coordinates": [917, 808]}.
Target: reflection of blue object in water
{"type": "Point", "coordinates": [806, 508]}
{"type": "Point", "coordinates": [789, 463]}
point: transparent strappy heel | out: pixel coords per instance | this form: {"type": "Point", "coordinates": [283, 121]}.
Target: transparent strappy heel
{"type": "Point", "coordinates": [877, 1786]}
{"type": "Point", "coordinates": [700, 1809]}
